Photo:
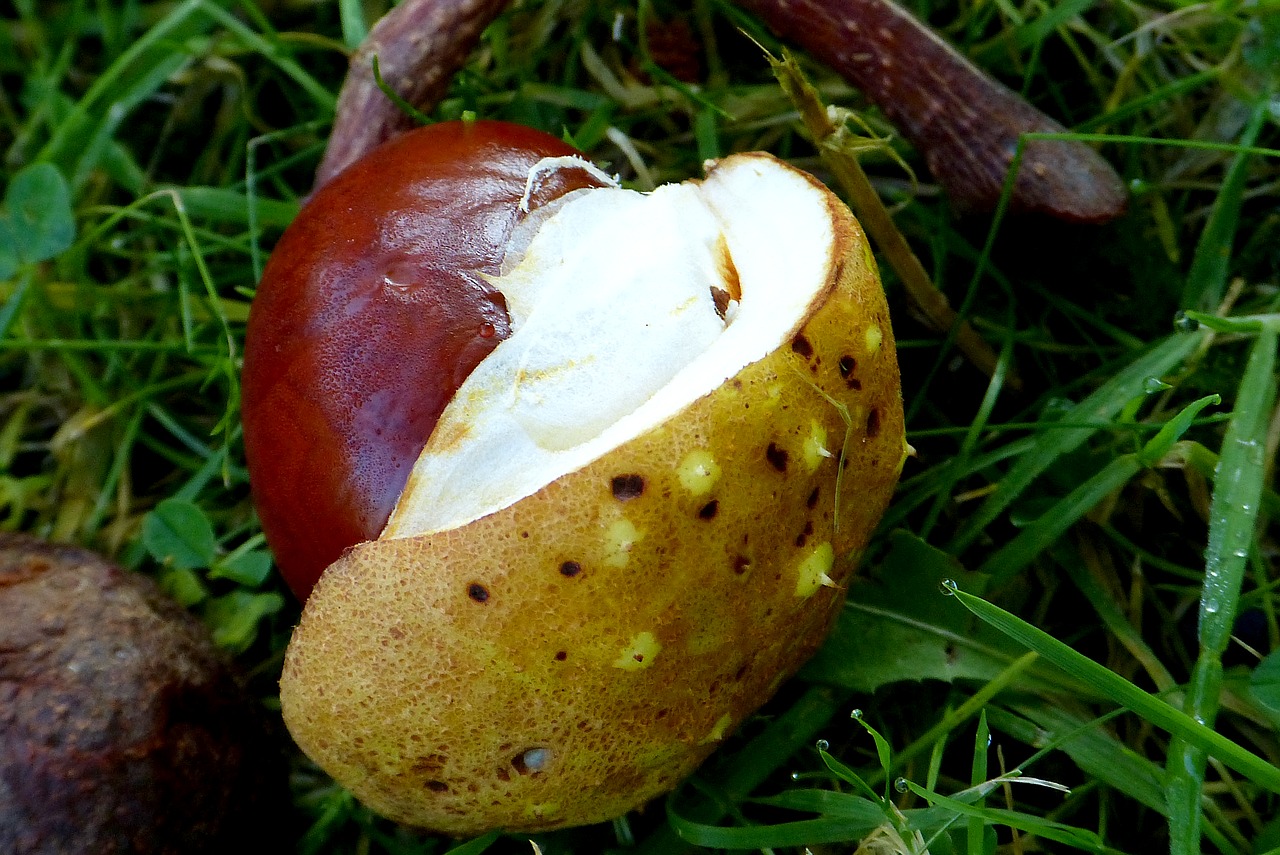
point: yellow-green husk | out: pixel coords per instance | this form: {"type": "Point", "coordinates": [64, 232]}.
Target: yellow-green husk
{"type": "Point", "coordinates": [568, 658]}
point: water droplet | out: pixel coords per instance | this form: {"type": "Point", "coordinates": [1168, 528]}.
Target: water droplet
{"type": "Point", "coordinates": [1182, 323]}
{"type": "Point", "coordinates": [487, 330]}
{"type": "Point", "coordinates": [988, 740]}
{"type": "Point", "coordinates": [1254, 451]}
{"type": "Point", "coordinates": [795, 776]}
{"type": "Point", "coordinates": [900, 785]}
{"type": "Point", "coordinates": [822, 745]}
{"type": "Point", "coordinates": [948, 586]}
{"type": "Point", "coordinates": [856, 714]}
{"type": "Point", "coordinates": [1152, 385]}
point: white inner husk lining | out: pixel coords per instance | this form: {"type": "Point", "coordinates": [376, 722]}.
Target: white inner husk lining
{"type": "Point", "coordinates": [615, 329]}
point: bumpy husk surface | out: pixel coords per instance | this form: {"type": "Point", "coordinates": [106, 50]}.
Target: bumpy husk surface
{"type": "Point", "coordinates": [570, 657]}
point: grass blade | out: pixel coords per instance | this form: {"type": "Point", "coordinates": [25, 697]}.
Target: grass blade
{"type": "Point", "coordinates": [147, 52]}
{"type": "Point", "coordinates": [1047, 829]}
{"type": "Point", "coordinates": [804, 832]}
{"type": "Point", "coordinates": [1125, 693]}
{"type": "Point", "coordinates": [978, 773]}
{"type": "Point", "coordinates": [1094, 750]}
{"type": "Point", "coordinates": [1109, 399]}
{"type": "Point", "coordinates": [1207, 278]}
{"type": "Point", "coordinates": [476, 845]}
{"type": "Point", "coordinates": [1041, 534]}
{"type": "Point", "coordinates": [1051, 525]}
{"type": "Point", "coordinates": [1233, 517]}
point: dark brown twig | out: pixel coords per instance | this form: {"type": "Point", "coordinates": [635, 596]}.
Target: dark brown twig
{"type": "Point", "coordinates": [419, 45]}
{"type": "Point", "coordinates": [964, 123]}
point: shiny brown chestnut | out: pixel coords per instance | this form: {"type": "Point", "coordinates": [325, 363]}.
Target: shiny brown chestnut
{"type": "Point", "coordinates": [370, 314]}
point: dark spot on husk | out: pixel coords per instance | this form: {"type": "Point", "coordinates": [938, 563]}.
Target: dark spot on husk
{"type": "Point", "coordinates": [570, 569]}
{"type": "Point", "coordinates": [803, 537]}
{"type": "Point", "coordinates": [430, 763]}
{"type": "Point", "coordinates": [478, 592]}
{"type": "Point", "coordinates": [437, 786]}
{"type": "Point", "coordinates": [812, 501]}
{"type": "Point", "coordinates": [627, 487]}
{"type": "Point", "coordinates": [801, 345]}
{"type": "Point", "coordinates": [709, 510]}
{"type": "Point", "coordinates": [562, 655]}
{"type": "Point", "coordinates": [847, 365]}
{"type": "Point", "coordinates": [741, 564]}
{"type": "Point", "coordinates": [873, 423]}
{"type": "Point", "coordinates": [777, 457]}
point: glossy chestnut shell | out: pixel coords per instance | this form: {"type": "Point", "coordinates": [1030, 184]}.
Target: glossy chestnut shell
{"type": "Point", "coordinates": [370, 314]}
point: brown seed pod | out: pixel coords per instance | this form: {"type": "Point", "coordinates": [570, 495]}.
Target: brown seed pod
{"type": "Point", "coordinates": [632, 520]}
{"type": "Point", "coordinates": [122, 729]}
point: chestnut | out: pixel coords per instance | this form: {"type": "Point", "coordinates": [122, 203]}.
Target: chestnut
{"type": "Point", "coordinates": [600, 486]}
{"type": "Point", "coordinates": [122, 728]}
{"type": "Point", "coordinates": [371, 312]}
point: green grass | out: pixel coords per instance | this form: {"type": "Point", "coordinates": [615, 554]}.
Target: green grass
{"type": "Point", "coordinates": [1109, 526]}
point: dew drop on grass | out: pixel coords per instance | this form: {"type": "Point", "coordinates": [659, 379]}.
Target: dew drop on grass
{"type": "Point", "coordinates": [1182, 323]}
{"type": "Point", "coordinates": [856, 714]}
{"type": "Point", "coordinates": [822, 745]}
{"type": "Point", "coordinates": [900, 784]}
{"type": "Point", "coordinates": [948, 587]}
